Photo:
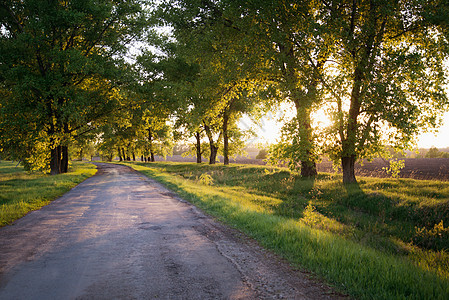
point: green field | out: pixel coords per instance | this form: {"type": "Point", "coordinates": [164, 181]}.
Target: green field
{"type": "Point", "coordinates": [381, 238]}
{"type": "Point", "coordinates": [22, 192]}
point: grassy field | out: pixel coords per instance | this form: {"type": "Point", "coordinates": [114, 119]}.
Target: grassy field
{"type": "Point", "coordinates": [22, 192]}
{"type": "Point", "coordinates": [379, 239]}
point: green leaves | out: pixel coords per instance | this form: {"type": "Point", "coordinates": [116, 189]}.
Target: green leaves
{"type": "Point", "coordinates": [375, 66]}
{"type": "Point", "coordinates": [61, 66]}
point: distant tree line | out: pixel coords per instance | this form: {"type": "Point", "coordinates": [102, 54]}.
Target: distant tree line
{"type": "Point", "coordinates": [435, 153]}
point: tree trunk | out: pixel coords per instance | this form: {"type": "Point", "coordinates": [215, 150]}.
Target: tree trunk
{"type": "Point", "coordinates": [134, 156]}
{"type": "Point", "coordinates": [303, 102]}
{"type": "Point", "coordinates": [128, 158]}
{"type": "Point", "coordinates": [348, 145]}
{"type": "Point", "coordinates": [55, 160]}
{"type": "Point", "coordinates": [123, 154]}
{"type": "Point", "coordinates": [198, 147]}
{"type": "Point", "coordinates": [64, 159]}
{"type": "Point", "coordinates": [308, 169]}
{"type": "Point", "coordinates": [150, 140]}
{"type": "Point", "coordinates": [212, 146]}
{"type": "Point", "coordinates": [213, 154]}
{"type": "Point", "coordinates": [347, 165]}
{"type": "Point", "coordinates": [306, 142]}
{"type": "Point", "coordinates": [119, 154]}
{"type": "Point", "coordinates": [364, 66]}
{"type": "Point", "coordinates": [65, 152]}
{"type": "Point", "coordinates": [225, 139]}
{"type": "Point", "coordinates": [55, 153]}
{"type": "Point", "coordinates": [308, 164]}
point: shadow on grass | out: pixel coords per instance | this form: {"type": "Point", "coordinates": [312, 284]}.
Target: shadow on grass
{"type": "Point", "coordinates": [368, 211]}
{"type": "Point", "coordinates": [362, 271]}
{"type": "Point", "coordinates": [298, 196]}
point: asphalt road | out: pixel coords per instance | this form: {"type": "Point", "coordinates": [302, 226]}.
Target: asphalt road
{"type": "Point", "coordinates": [120, 235]}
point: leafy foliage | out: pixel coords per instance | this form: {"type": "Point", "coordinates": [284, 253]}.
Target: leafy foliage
{"type": "Point", "coordinates": [61, 66]}
{"type": "Point", "coordinates": [435, 238]}
{"type": "Point", "coordinates": [434, 153]}
{"type": "Point", "coordinates": [389, 79]}
{"type": "Point", "coordinates": [395, 167]}
{"type": "Point", "coordinates": [374, 67]}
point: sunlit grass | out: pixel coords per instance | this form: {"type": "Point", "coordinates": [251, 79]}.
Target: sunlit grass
{"type": "Point", "coordinates": [22, 192]}
{"type": "Point", "coordinates": [362, 238]}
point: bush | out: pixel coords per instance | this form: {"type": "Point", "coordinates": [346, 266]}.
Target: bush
{"type": "Point", "coordinates": [262, 154]}
{"type": "Point", "coordinates": [436, 238]}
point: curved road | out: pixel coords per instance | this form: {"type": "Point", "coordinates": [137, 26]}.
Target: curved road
{"type": "Point", "coordinates": [120, 235]}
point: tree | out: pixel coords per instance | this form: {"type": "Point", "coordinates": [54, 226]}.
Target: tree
{"type": "Point", "coordinates": [83, 146]}
{"type": "Point", "coordinates": [434, 153]}
{"type": "Point", "coordinates": [213, 99]}
{"type": "Point", "coordinates": [62, 67]}
{"type": "Point", "coordinates": [309, 65]}
{"type": "Point", "coordinates": [159, 138]}
{"type": "Point", "coordinates": [185, 131]}
{"type": "Point", "coordinates": [280, 44]}
{"type": "Point", "coordinates": [300, 51]}
{"type": "Point", "coordinates": [387, 80]}
{"type": "Point", "coordinates": [262, 154]}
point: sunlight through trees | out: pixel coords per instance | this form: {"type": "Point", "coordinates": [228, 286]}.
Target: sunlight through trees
{"type": "Point", "coordinates": [132, 78]}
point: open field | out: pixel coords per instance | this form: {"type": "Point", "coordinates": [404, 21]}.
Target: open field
{"type": "Point", "coordinates": [382, 239]}
{"type": "Point", "coordinates": [415, 168]}
{"type": "Point", "coordinates": [22, 192]}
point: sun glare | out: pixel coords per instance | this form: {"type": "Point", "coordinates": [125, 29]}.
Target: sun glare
{"type": "Point", "coordinates": [439, 139]}
{"type": "Point", "coordinates": [268, 129]}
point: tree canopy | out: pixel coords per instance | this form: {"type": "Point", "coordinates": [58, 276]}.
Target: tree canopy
{"type": "Point", "coordinates": [374, 67]}
{"type": "Point", "coordinates": [62, 67]}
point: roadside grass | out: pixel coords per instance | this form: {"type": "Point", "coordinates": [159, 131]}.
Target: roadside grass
{"type": "Point", "coordinates": [379, 239]}
{"type": "Point", "coordinates": [22, 192]}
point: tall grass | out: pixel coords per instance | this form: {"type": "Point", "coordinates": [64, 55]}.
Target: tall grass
{"type": "Point", "coordinates": [361, 238]}
{"type": "Point", "coordinates": [22, 192]}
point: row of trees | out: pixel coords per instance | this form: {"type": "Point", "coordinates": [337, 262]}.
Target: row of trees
{"type": "Point", "coordinates": [62, 72]}
{"type": "Point", "coordinates": [375, 67]}
{"type": "Point", "coordinates": [435, 153]}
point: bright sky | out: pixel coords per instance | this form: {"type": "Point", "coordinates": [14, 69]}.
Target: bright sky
{"type": "Point", "coordinates": [439, 139]}
{"type": "Point", "coordinates": [269, 131]}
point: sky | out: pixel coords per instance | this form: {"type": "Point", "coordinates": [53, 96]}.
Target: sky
{"type": "Point", "coordinates": [269, 130]}
{"type": "Point", "coordinates": [440, 139]}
